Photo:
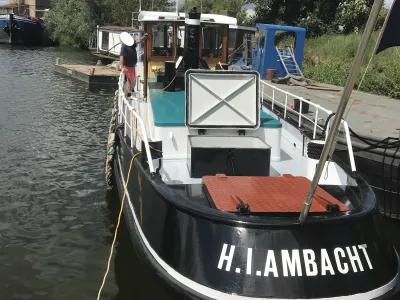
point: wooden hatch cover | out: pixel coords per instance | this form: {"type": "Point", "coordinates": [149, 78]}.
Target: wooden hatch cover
{"type": "Point", "coordinates": [267, 194]}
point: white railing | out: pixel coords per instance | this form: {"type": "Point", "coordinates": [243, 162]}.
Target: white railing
{"type": "Point", "coordinates": [125, 111]}
{"type": "Point", "coordinates": [281, 98]}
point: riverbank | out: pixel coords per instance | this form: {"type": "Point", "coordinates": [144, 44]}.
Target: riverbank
{"type": "Point", "coordinates": [328, 59]}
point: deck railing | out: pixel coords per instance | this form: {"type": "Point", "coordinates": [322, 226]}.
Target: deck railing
{"type": "Point", "coordinates": [125, 111]}
{"type": "Point", "coordinates": [281, 98]}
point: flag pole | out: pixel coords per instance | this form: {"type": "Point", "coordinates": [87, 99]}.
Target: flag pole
{"type": "Point", "coordinates": [342, 105]}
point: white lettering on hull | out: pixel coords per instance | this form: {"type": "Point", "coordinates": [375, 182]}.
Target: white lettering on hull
{"type": "Point", "coordinates": [293, 264]}
{"type": "Point", "coordinates": [270, 265]}
{"type": "Point", "coordinates": [309, 262]}
{"type": "Point", "coordinates": [298, 262]}
{"type": "Point", "coordinates": [224, 257]}
{"type": "Point", "coordinates": [326, 264]}
{"type": "Point", "coordinates": [249, 257]}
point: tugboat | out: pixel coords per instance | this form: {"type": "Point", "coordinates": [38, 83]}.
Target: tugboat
{"type": "Point", "coordinates": [222, 198]}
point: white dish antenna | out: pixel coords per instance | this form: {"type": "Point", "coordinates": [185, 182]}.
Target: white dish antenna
{"type": "Point", "coordinates": [126, 38]}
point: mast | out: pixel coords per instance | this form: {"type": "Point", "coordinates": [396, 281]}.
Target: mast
{"type": "Point", "coordinates": [330, 140]}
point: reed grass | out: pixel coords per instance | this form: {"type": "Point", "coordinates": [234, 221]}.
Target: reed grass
{"type": "Point", "coordinates": [328, 59]}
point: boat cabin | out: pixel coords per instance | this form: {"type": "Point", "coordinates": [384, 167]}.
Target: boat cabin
{"type": "Point", "coordinates": [108, 44]}
{"type": "Point", "coordinates": [167, 39]}
{"type": "Point", "coordinates": [221, 41]}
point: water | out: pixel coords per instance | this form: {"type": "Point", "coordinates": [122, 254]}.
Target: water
{"type": "Point", "coordinates": [55, 227]}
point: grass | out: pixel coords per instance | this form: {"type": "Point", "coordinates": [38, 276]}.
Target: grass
{"type": "Point", "coordinates": [328, 59]}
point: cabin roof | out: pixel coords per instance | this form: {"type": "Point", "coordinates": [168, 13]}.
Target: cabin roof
{"type": "Point", "coordinates": [254, 29]}
{"type": "Point", "coordinates": [149, 16]}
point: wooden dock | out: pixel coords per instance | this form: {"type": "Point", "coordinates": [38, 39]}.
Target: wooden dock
{"type": "Point", "coordinates": [89, 73]}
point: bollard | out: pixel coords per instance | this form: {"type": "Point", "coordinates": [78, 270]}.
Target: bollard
{"type": "Point", "coordinates": [57, 61]}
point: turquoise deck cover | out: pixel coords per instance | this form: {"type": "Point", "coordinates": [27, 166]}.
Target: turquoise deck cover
{"type": "Point", "coordinates": [169, 110]}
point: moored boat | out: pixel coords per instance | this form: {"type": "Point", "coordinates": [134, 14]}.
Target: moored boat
{"type": "Point", "coordinates": [214, 185]}
{"type": "Point", "coordinates": [21, 30]}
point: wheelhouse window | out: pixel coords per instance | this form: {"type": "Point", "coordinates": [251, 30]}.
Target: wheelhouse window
{"type": "Point", "coordinates": [162, 40]}
{"type": "Point", "coordinates": [211, 41]}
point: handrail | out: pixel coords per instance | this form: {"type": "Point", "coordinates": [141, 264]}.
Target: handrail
{"type": "Point", "coordinates": [302, 116]}
{"type": "Point", "coordinates": [123, 115]}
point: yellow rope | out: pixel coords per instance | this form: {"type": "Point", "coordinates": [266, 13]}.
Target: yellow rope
{"type": "Point", "coordinates": [119, 220]}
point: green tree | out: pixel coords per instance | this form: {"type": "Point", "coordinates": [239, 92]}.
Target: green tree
{"type": "Point", "coordinates": [233, 7]}
{"type": "Point", "coordinates": [353, 15]}
{"type": "Point", "coordinates": [73, 22]}
{"type": "Point", "coordinates": [317, 16]}
{"type": "Point", "coordinates": [120, 11]}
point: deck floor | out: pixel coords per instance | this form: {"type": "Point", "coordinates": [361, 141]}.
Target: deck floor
{"type": "Point", "coordinates": [282, 194]}
{"type": "Point", "coordinates": [373, 115]}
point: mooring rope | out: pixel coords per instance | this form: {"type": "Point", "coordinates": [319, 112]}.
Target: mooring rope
{"type": "Point", "coordinates": [119, 220]}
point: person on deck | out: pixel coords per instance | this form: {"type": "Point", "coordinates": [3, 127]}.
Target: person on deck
{"type": "Point", "coordinates": [128, 60]}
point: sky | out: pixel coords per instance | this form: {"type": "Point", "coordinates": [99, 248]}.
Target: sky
{"type": "Point", "coordinates": [388, 3]}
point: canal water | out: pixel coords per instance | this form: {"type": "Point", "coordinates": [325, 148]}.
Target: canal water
{"type": "Point", "coordinates": [56, 228]}
{"type": "Point", "coordinates": [55, 225]}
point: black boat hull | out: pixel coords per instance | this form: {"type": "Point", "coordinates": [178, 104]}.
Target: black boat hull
{"type": "Point", "coordinates": [207, 257]}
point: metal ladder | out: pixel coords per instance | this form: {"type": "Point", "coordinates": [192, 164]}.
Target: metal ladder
{"type": "Point", "coordinates": [286, 56]}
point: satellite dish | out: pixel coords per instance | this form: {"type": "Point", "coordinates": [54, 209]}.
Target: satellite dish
{"type": "Point", "coordinates": [126, 38]}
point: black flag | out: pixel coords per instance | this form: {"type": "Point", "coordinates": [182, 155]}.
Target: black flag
{"type": "Point", "coordinates": [390, 35]}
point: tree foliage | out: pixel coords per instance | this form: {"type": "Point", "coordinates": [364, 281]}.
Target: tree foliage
{"type": "Point", "coordinates": [233, 7]}
{"type": "Point", "coordinates": [73, 22]}
{"type": "Point", "coordinates": [317, 16]}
